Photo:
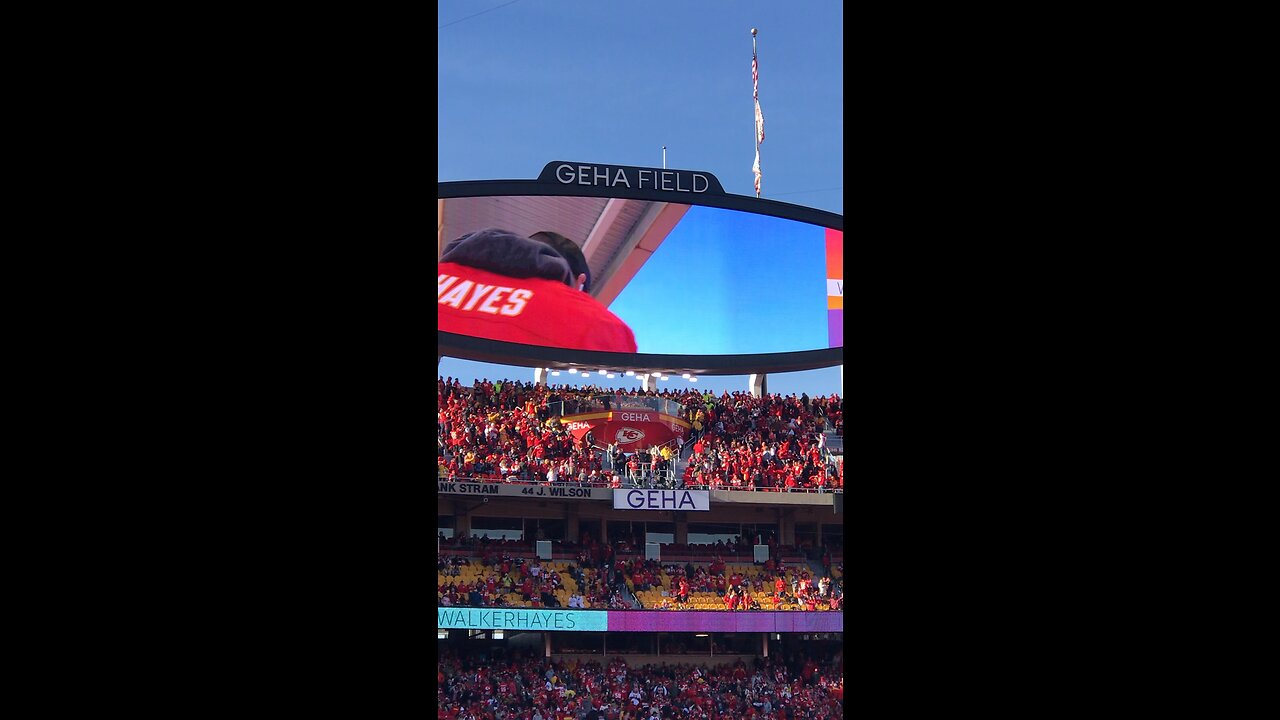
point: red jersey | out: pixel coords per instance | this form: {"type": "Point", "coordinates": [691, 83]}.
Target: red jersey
{"type": "Point", "coordinates": [532, 311]}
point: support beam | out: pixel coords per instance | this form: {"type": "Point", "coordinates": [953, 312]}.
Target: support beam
{"type": "Point", "coordinates": [759, 386]}
{"type": "Point", "coordinates": [571, 522]}
{"type": "Point", "coordinates": [786, 527]}
{"type": "Point", "coordinates": [607, 218]}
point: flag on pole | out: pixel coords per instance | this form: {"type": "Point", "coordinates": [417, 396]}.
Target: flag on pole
{"type": "Point", "coordinates": [755, 169]}
{"type": "Point", "coordinates": [755, 94]}
{"type": "Point", "coordinates": [759, 124]}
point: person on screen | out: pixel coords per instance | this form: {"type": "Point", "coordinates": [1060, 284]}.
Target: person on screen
{"type": "Point", "coordinates": [497, 285]}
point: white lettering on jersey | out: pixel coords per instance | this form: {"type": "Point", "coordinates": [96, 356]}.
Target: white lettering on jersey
{"type": "Point", "coordinates": [475, 296]}
{"type": "Point", "coordinates": [495, 297]}
{"type": "Point", "coordinates": [515, 304]}
{"type": "Point", "coordinates": [455, 296]}
{"type": "Point", "coordinates": [443, 284]}
{"type": "Point", "coordinates": [486, 297]}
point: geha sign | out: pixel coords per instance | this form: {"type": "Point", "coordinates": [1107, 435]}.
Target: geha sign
{"type": "Point", "coordinates": [661, 500]}
{"type": "Point", "coordinates": [629, 433]}
{"type": "Point", "coordinates": [630, 177]}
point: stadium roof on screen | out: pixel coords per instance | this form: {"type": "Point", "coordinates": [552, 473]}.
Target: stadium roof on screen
{"type": "Point", "coordinates": [617, 236]}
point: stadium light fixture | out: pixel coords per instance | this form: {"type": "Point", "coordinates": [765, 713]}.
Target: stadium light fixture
{"type": "Point", "coordinates": [666, 377]}
{"type": "Point", "coordinates": [573, 371]}
{"type": "Point", "coordinates": [610, 376]}
{"type": "Point", "coordinates": [685, 376]}
{"type": "Point", "coordinates": [693, 379]}
{"type": "Point", "coordinates": [630, 373]}
{"type": "Point", "coordinates": [700, 635]}
{"type": "Point", "coordinates": [586, 374]}
{"type": "Point", "coordinates": [657, 374]}
{"type": "Point", "coordinates": [555, 372]}
{"type": "Point", "coordinates": [497, 635]}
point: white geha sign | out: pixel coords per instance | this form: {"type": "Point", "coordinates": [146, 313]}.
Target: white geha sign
{"type": "Point", "coordinates": [661, 500]}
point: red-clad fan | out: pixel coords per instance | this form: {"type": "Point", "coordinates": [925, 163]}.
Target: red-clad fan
{"type": "Point", "coordinates": [497, 285]}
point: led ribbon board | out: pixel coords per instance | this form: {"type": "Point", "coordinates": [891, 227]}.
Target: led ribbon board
{"type": "Point", "coordinates": [636, 620]}
{"type": "Point", "coordinates": [522, 619]}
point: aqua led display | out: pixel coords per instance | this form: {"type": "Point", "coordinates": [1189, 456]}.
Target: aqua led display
{"type": "Point", "coordinates": [560, 620]}
{"type": "Point", "coordinates": [522, 619]}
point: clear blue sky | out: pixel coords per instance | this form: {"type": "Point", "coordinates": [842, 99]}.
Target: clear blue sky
{"type": "Point", "coordinates": [526, 82]}
{"type": "Point", "coordinates": [762, 280]}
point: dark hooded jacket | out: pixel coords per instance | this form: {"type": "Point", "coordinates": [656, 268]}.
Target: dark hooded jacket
{"type": "Point", "coordinates": [508, 254]}
{"type": "Point", "coordinates": [496, 285]}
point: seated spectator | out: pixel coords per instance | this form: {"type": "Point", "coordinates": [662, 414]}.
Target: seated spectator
{"type": "Point", "coordinates": [470, 686]}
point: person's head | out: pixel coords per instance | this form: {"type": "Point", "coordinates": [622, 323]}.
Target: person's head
{"type": "Point", "coordinates": [507, 253]}
{"type": "Point", "coordinates": [571, 253]}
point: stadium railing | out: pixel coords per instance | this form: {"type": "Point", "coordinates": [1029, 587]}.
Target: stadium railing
{"type": "Point", "coordinates": [576, 484]}
{"type": "Point", "coordinates": [601, 403]}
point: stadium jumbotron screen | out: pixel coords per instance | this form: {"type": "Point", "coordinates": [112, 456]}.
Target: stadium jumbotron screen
{"type": "Point", "coordinates": [657, 252]}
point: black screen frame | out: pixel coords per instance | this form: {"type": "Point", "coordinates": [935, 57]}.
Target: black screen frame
{"type": "Point", "coordinates": [467, 347]}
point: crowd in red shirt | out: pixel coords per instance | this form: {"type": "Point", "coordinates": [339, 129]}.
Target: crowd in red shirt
{"type": "Point", "coordinates": [474, 688]}
{"type": "Point", "coordinates": [767, 443]}
{"type": "Point", "coordinates": [498, 431]}
{"type": "Point", "coordinates": [501, 431]}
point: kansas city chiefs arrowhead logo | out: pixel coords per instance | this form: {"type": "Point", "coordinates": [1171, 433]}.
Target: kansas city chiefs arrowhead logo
{"type": "Point", "coordinates": [628, 435]}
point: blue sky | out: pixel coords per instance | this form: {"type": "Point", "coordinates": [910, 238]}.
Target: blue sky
{"type": "Point", "coordinates": [762, 300]}
{"type": "Point", "coordinates": [524, 83]}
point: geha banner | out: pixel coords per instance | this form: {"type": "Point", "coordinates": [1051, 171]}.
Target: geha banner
{"type": "Point", "coordinates": [637, 499]}
{"type": "Point", "coordinates": [631, 430]}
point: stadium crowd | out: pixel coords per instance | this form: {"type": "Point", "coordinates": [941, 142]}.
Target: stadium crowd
{"type": "Point", "coordinates": [772, 587]}
{"type": "Point", "coordinates": [503, 579]}
{"type": "Point", "coordinates": [536, 688]}
{"type": "Point", "coordinates": [609, 575]}
{"type": "Point", "coordinates": [509, 431]}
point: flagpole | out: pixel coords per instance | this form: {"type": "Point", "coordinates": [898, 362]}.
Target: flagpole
{"type": "Point", "coordinates": [755, 91]}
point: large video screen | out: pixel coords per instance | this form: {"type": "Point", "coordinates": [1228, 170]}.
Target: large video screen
{"type": "Point", "coordinates": [642, 276]}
